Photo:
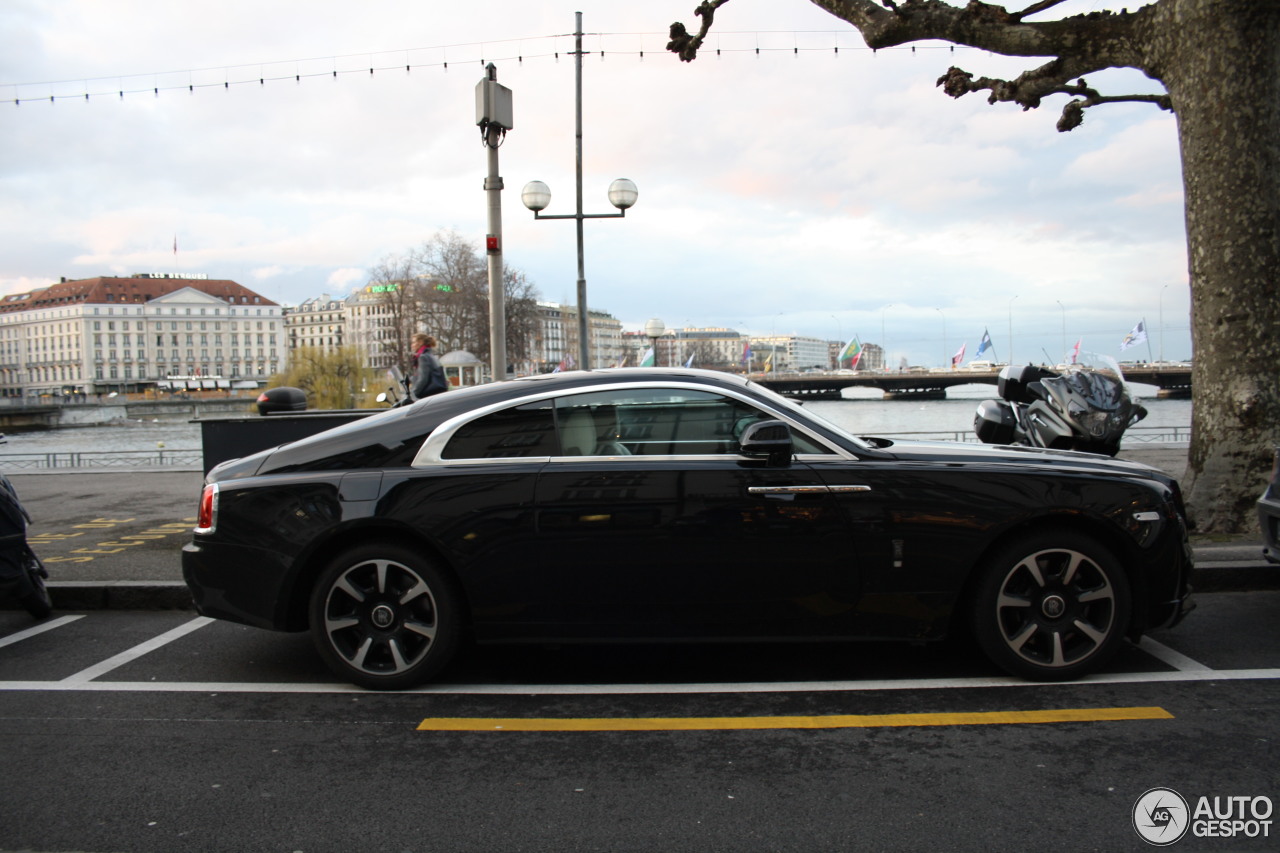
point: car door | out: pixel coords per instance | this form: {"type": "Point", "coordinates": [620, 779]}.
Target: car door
{"type": "Point", "coordinates": [654, 525]}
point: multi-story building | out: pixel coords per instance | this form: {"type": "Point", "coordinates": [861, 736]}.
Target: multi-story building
{"type": "Point", "coordinates": [133, 333]}
{"type": "Point", "coordinates": [790, 352]}
{"type": "Point", "coordinates": [318, 323]}
{"type": "Point", "coordinates": [371, 325]}
{"type": "Point", "coordinates": [557, 343]}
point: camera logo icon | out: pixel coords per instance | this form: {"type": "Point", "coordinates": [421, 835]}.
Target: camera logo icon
{"type": "Point", "coordinates": [1161, 817]}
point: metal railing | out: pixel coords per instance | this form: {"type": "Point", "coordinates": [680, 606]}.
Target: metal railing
{"type": "Point", "coordinates": [192, 458]}
{"type": "Point", "coordinates": [1134, 435]}
{"type": "Point", "coordinates": [177, 459]}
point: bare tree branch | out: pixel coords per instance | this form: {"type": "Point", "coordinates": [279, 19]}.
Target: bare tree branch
{"type": "Point", "coordinates": [1035, 8]}
{"type": "Point", "coordinates": [1081, 44]}
{"type": "Point", "coordinates": [1032, 86]}
{"type": "Point", "coordinates": [685, 45]}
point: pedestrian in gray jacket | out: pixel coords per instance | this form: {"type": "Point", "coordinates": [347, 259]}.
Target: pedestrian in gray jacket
{"type": "Point", "coordinates": [428, 377]}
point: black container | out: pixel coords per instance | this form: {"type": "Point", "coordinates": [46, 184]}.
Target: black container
{"type": "Point", "coordinates": [1013, 382]}
{"type": "Point", "coordinates": [282, 399]}
{"type": "Point", "coordinates": [994, 422]}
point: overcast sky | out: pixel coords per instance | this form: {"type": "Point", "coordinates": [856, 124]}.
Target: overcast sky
{"type": "Point", "coordinates": [813, 187]}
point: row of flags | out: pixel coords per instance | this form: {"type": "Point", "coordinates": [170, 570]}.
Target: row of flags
{"type": "Point", "coordinates": [851, 353]}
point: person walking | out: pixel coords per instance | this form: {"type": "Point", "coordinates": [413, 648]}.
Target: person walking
{"type": "Point", "coordinates": [428, 377]}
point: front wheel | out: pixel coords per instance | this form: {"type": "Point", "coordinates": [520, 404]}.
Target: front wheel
{"type": "Point", "coordinates": [384, 617]}
{"type": "Point", "coordinates": [1052, 607]}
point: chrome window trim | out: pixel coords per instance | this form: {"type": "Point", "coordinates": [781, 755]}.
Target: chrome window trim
{"type": "Point", "coordinates": [429, 453]}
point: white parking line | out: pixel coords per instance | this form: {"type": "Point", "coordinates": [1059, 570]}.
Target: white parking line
{"type": "Point", "coordinates": [136, 652]}
{"type": "Point", "coordinates": [1177, 660]}
{"type": "Point", "coordinates": [37, 629]}
{"type": "Point", "coordinates": [79, 683]}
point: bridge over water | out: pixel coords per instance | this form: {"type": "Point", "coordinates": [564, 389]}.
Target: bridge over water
{"type": "Point", "coordinates": [1173, 381]}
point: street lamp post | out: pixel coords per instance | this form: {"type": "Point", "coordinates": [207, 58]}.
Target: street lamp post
{"type": "Point", "coordinates": [1064, 329]}
{"type": "Point", "coordinates": [884, 342]}
{"type": "Point", "coordinates": [1015, 296]}
{"type": "Point", "coordinates": [944, 335]}
{"type": "Point", "coordinates": [655, 329]}
{"type": "Point", "coordinates": [1162, 290]}
{"type": "Point", "coordinates": [622, 195]}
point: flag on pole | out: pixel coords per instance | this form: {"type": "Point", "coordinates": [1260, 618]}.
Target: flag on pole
{"type": "Point", "coordinates": [1135, 337]}
{"type": "Point", "coordinates": [958, 357]}
{"type": "Point", "coordinates": [648, 360]}
{"type": "Point", "coordinates": [1075, 351]}
{"type": "Point", "coordinates": [984, 344]}
{"type": "Point", "coordinates": [768, 363]}
{"type": "Point", "coordinates": [851, 353]}
{"type": "Point", "coordinates": [175, 244]}
{"type": "Point", "coordinates": [689, 361]}
{"type": "Point", "coordinates": [746, 353]}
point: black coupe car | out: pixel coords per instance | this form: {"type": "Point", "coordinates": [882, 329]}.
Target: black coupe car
{"type": "Point", "coordinates": [677, 505]}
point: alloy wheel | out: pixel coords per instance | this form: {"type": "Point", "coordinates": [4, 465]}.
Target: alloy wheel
{"type": "Point", "coordinates": [1056, 608]}
{"type": "Point", "coordinates": [380, 617]}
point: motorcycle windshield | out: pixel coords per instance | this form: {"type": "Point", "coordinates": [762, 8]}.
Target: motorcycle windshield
{"type": "Point", "coordinates": [1100, 391]}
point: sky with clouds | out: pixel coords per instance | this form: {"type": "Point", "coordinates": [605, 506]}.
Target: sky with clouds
{"type": "Point", "coordinates": [794, 183]}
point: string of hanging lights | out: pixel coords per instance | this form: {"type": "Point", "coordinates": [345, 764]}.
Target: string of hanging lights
{"type": "Point", "coordinates": [545, 48]}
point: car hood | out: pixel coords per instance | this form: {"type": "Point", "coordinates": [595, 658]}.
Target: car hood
{"type": "Point", "coordinates": [1003, 454]}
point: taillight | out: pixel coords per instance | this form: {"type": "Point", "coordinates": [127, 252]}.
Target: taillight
{"type": "Point", "coordinates": [207, 516]}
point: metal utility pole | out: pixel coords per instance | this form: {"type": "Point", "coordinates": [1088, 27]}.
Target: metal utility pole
{"type": "Point", "coordinates": [622, 195]}
{"type": "Point", "coordinates": [494, 116]}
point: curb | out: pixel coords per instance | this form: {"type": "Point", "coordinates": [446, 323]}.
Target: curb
{"type": "Point", "coordinates": [120, 595]}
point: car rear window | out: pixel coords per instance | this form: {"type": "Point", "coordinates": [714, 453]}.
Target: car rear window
{"type": "Point", "coordinates": [509, 433]}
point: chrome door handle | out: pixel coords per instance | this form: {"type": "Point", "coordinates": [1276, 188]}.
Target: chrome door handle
{"type": "Point", "coordinates": [804, 490]}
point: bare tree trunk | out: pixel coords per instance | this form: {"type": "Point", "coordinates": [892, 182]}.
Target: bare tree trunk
{"type": "Point", "coordinates": [1225, 84]}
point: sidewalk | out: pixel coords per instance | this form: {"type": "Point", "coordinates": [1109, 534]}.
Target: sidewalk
{"type": "Point", "coordinates": [135, 522]}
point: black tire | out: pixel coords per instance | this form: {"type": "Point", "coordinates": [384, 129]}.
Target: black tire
{"type": "Point", "coordinates": [1052, 606]}
{"type": "Point", "coordinates": [385, 618]}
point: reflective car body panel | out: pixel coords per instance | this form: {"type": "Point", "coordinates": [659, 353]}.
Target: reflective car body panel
{"type": "Point", "coordinates": [620, 504]}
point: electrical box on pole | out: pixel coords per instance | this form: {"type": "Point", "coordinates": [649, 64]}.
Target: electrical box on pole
{"type": "Point", "coordinates": [493, 104]}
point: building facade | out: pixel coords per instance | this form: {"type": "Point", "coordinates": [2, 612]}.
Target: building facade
{"type": "Point", "coordinates": [137, 333]}
{"type": "Point", "coordinates": [319, 323]}
{"type": "Point", "coordinates": [557, 344]}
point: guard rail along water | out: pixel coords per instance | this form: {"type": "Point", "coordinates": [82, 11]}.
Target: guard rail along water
{"type": "Point", "coordinates": [191, 458]}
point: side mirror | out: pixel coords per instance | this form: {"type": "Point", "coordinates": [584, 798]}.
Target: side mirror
{"type": "Point", "coordinates": [769, 440]}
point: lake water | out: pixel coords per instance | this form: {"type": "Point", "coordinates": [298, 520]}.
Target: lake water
{"type": "Point", "coordinates": [863, 412]}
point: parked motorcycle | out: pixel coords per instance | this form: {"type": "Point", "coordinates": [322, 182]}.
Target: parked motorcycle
{"type": "Point", "coordinates": [1085, 407]}
{"type": "Point", "coordinates": [22, 575]}
{"type": "Point", "coordinates": [399, 393]}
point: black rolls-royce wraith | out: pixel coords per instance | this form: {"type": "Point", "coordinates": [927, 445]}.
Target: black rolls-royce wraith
{"type": "Point", "coordinates": [683, 505]}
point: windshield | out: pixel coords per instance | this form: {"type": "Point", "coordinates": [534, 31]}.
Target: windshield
{"type": "Point", "coordinates": [1099, 379]}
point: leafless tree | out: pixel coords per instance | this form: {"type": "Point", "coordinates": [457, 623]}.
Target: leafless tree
{"type": "Point", "coordinates": [395, 280]}
{"type": "Point", "coordinates": [1219, 63]}
{"type": "Point", "coordinates": [442, 288]}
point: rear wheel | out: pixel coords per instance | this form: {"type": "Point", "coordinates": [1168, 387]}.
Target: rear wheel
{"type": "Point", "coordinates": [1052, 607]}
{"type": "Point", "coordinates": [384, 617]}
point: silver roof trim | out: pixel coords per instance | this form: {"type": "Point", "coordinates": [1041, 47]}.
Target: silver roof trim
{"type": "Point", "coordinates": [429, 453]}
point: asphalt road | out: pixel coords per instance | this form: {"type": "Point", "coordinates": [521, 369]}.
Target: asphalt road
{"type": "Point", "coordinates": [156, 731]}
{"type": "Point", "coordinates": [110, 526]}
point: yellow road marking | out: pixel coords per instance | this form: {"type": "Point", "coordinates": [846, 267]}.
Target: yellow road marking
{"type": "Point", "coordinates": [839, 721]}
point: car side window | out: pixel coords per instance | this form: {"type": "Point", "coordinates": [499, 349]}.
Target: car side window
{"type": "Point", "coordinates": [508, 433]}
{"type": "Point", "coordinates": [658, 422]}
